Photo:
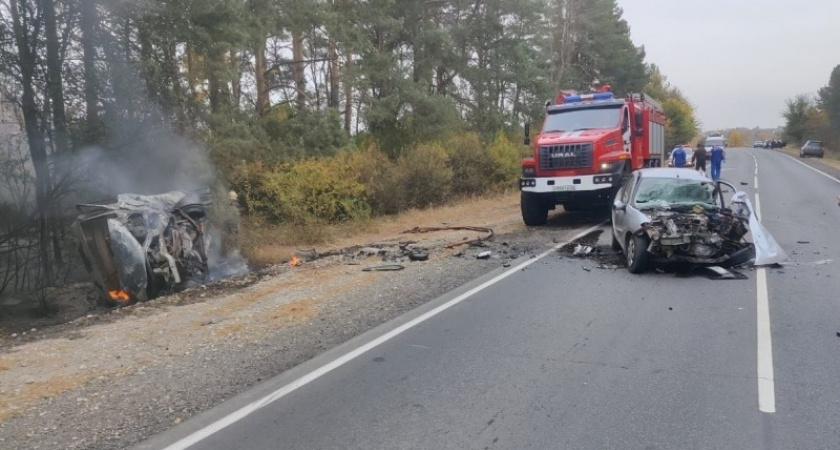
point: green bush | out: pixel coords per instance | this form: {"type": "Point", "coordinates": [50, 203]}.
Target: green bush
{"type": "Point", "coordinates": [506, 159]}
{"type": "Point", "coordinates": [424, 175]}
{"type": "Point", "coordinates": [359, 182]}
{"type": "Point", "coordinates": [470, 164]}
{"type": "Point", "coordinates": [313, 191]}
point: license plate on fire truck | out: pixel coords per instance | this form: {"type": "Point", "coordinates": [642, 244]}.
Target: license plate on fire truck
{"type": "Point", "coordinates": [568, 187]}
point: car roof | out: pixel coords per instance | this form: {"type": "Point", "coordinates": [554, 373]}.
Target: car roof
{"type": "Point", "coordinates": [669, 172]}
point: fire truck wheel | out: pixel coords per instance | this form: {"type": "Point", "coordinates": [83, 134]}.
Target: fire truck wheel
{"type": "Point", "coordinates": [636, 254]}
{"type": "Point", "coordinates": [534, 209]}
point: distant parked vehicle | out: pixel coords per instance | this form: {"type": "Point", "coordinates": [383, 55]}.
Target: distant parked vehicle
{"type": "Point", "coordinates": [758, 144]}
{"type": "Point", "coordinates": [812, 148]}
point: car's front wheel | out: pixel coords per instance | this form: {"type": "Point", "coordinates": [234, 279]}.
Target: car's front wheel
{"type": "Point", "coordinates": [636, 254]}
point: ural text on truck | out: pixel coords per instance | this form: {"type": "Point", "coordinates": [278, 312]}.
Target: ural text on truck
{"type": "Point", "coordinates": [589, 144]}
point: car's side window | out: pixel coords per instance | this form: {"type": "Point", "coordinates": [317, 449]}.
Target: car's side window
{"type": "Point", "coordinates": [626, 189]}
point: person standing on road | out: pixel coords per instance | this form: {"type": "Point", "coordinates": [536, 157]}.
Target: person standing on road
{"type": "Point", "coordinates": [699, 158]}
{"type": "Point", "coordinates": [717, 156]}
{"type": "Point", "coordinates": [678, 156]}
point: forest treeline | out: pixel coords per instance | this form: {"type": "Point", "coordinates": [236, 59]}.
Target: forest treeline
{"type": "Point", "coordinates": [313, 111]}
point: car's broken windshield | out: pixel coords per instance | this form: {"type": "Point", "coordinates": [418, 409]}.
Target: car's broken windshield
{"type": "Point", "coordinates": [673, 193]}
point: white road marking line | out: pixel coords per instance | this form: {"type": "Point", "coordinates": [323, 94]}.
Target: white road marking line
{"type": "Point", "coordinates": [764, 348]}
{"type": "Point", "coordinates": [241, 413]}
{"type": "Point", "coordinates": [766, 382]}
{"type": "Point", "coordinates": [815, 170]}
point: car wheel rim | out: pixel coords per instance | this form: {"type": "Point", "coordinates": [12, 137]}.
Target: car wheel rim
{"type": "Point", "coordinates": [631, 252]}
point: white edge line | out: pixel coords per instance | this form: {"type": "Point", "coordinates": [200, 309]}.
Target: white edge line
{"type": "Point", "coordinates": [241, 413]}
{"type": "Point", "coordinates": [812, 168]}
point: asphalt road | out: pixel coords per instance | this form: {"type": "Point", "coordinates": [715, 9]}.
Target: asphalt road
{"type": "Point", "coordinates": [552, 355]}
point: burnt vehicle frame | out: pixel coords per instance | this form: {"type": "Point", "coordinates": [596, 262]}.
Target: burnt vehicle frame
{"type": "Point", "coordinates": [701, 229]}
{"type": "Point", "coordinates": [138, 247]}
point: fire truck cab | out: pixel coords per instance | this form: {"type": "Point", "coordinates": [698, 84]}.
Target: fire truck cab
{"type": "Point", "coordinates": [587, 146]}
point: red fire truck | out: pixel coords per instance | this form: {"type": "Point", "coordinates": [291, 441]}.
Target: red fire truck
{"type": "Point", "coordinates": [589, 143]}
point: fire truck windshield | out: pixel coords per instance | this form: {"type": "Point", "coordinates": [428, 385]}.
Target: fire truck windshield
{"type": "Point", "coordinates": [578, 119]}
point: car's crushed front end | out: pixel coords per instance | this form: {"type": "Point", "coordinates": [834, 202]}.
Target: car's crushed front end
{"type": "Point", "coordinates": [700, 235]}
{"type": "Point", "coordinates": [685, 220]}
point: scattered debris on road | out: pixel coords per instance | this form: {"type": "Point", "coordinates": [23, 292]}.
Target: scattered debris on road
{"type": "Point", "coordinates": [719, 273]}
{"type": "Point", "coordinates": [489, 235]}
{"type": "Point", "coordinates": [484, 255]}
{"type": "Point", "coordinates": [418, 255]}
{"type": "Point", "coordinates": [384, 268]}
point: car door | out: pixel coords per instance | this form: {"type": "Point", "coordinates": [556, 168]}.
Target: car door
{"type": "Point", "coordinates": [619, 213]}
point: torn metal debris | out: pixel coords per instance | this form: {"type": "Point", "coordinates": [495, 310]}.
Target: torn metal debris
{"type": "Point", "coordinates": [141, 246]}
{"type": "Point", "coordinates": [466, 241]}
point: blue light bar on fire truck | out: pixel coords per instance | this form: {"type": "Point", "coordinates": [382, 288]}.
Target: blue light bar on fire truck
{"type": "Point", "coordinates": [587, 97]}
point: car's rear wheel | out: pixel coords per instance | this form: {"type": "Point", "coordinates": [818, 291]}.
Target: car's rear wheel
{"type": "Point", "coordinates": [636, 254]}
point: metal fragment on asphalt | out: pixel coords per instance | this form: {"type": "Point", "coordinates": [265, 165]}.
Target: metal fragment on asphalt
{"type": "Point", "coordinates": [385, 268]}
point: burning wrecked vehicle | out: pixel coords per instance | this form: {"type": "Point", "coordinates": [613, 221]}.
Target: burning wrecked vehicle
{"type": "Point", "coordinates": [138, 247]}
{"type": "Point", "coordinates": [679, 215]}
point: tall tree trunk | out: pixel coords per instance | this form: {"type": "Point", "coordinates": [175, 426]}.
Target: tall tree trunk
{"type": "Point", "coordinates": [441, 80]}
{"type": "Point", "coordinates": [174, 81]}
{"type": "Point", "coordinates": [348, 95]}
{"type": "Point", "coordinates": [298, 69]}
{"type": "Point", "coordinates": [54, 80]}
{"type": "Point", "coordinates": [263, 103]}
{"type": "Point", "coordinates": [34, 135]}
{"type": "Point", "coordinates": [192, 79]}
{"type": "Point", "coordinates": [89, 36]}
{"type": "Point", "coordinates": [236, 79]}
{"type": "Point", "coordinates": [334, 75]}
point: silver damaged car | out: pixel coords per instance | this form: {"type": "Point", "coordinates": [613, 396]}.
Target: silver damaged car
{"type": "Point", "coordinates": [663, 215]}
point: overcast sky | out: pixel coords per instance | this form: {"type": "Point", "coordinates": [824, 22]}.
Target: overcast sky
{"type": "Point", "coordinates": [738, 60]}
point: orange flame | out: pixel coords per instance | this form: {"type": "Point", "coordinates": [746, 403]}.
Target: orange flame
{"type": "Point", "coordinates": [119, 295]}
{"type": "Point", "coordinates": [295, 261]}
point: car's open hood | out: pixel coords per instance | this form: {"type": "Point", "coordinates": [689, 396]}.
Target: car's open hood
{"type": "Point", "coordinates": [767, 250]}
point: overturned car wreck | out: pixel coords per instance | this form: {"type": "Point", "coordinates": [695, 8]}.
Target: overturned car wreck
{"type": "Point", "coordinates": [138, 247]}
{"type": "Point", "coordinates": [679, 216]}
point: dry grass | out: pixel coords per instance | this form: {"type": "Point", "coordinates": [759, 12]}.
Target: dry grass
{"type": "Point", "coordinates": [264, 245]}
{"type": "Point", "coordinates": [20, 399]}
{"type": "Point", "coordinates": [295, 313]}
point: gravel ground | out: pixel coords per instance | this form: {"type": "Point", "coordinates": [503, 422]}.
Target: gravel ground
{"type": "Point", "coordinates": [110, 381]}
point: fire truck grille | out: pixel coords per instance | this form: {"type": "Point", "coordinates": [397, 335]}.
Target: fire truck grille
{"type": "Point", "coordinates": [566, 156]}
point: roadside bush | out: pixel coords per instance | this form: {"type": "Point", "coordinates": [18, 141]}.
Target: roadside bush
{"type": "Point", "coordinates": [313, 191]}
{"type": "Point", "coordinates": [506, 157]}
{"type": "Point", "coordinates": [471, 167]}
{"type": "Point", "coordinates": [421, 177]}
